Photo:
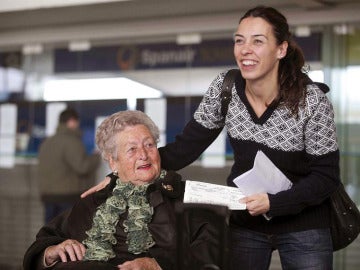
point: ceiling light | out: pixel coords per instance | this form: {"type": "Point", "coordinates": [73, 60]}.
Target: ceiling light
{"type": "Point", "coordinates": [186, 39]}
{"type": "Point", "coordinates": [302, 31]}
{"type": "Point", "coordinates": [96, 89]}
{"type": "Point", "coordinates": [343, 29]}
{"type": "Point", "coordinates": [79, 45]}
{"type": "Point", "coordinates": [29, 49]}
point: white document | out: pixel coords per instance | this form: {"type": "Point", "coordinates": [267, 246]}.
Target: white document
{"type": "Point", "coordinates": [264, 177]}
{"type": "Point", "coordinates": [201, 192]}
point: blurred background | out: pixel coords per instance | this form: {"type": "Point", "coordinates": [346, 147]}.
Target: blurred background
{"type": "Point", "coordinates": [158, 56]}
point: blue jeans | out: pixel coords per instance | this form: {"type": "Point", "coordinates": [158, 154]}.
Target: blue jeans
{"type": "Point", "coordinates": [310, 250]}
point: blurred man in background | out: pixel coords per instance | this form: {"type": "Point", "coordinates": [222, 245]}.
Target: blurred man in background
{"type": "Point", "coordinates": [65, 168]}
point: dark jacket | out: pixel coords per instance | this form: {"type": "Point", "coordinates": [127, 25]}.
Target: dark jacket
{"type": "Point", "coordinates": [200, 247]}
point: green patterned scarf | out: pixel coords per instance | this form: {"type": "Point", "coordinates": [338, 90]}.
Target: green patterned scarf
{"type": "Point", "coordinates": [125, 197]}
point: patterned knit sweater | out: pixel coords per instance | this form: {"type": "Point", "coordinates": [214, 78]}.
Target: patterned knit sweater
{"type": "Point", "coordinates": [304, 148]}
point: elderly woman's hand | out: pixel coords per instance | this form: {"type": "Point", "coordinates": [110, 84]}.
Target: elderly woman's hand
{"type": "Point", "coordinates": [69, 250]}
{"type": "Point", "coordinates": [140, 264]}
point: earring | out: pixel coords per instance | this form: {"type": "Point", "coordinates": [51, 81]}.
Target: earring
{"type": "Point", "coordinates": [115, 173]}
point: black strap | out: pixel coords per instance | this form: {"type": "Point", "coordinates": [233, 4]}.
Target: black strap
{"type": "Point", "coordinates": [227, 85]}
{"type": "Point", "coordinates": [323, 87]}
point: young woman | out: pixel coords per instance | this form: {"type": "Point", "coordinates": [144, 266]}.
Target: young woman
{"type": "Point", "coordinates": [274, 108]}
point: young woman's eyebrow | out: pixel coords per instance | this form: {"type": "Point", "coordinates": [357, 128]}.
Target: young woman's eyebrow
{"type": "Point", "coordinates": [256, 35]}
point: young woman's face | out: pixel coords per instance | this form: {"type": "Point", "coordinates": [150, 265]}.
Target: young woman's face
{"type": "Point", "coordinates": [138, 157]}
{"type": "Point", "coordinates": [256, 51]}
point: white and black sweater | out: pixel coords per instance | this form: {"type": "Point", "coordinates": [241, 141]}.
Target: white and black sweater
{"type": "Point", "coordinates": [304, 148]}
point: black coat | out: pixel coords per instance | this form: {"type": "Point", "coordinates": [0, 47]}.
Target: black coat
{"type": "Point", "coordinates": [200, 237]}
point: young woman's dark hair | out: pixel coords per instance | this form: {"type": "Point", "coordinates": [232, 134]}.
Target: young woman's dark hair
{"type": "Point", "coordinates": [292, 79]}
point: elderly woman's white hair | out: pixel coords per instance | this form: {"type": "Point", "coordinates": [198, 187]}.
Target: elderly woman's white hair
{"type": "Point", "coordinates": [117, 122]}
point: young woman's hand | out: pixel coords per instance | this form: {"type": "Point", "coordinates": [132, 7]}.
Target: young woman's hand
{"type": "Point", "coordinates": [140, 264]}
{"type": "Point", "coordinates": [257, 204]}
{"type": "Point", "coordinates": [96, 188]}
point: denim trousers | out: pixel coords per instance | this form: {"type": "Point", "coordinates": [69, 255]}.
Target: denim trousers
{"type": "Point", "coordinates": [310, 250]}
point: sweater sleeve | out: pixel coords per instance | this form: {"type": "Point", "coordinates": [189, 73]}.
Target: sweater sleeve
{"type": "Point", "coordinates": [199, 133]}
{"type": "Point", "coordinates": [322, 154]}
{"type": "Point", "coordinates": [187, 146]}
{"type": "Point", "coordinates": [310, 190]}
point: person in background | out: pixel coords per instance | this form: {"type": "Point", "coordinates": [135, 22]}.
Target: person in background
{"type": "Point", "coordinates": [274, 108]}
{"type": "Point", "coordinates": [65, 169]}
{"type": "Point", "coordinates": [132, 224]}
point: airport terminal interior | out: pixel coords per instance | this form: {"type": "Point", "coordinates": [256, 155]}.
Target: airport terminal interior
{"type": "Point", "coordinates": [158, 56]}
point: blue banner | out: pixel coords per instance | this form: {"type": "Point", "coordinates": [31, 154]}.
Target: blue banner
{"type": "Point", "coordinates": [163, 56]}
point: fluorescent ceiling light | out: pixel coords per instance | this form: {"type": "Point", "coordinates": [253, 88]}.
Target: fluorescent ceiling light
{"type": "Point", "coordinates": [96, 89]}
{"type": "Point", "coordinates": [343, 29]}
{"type": "Point", "coordinates": [187, 39]}
{"type": "Point", "coordinates": [302, 31]}
{"type": "Point", "coordinates": [29, 49]}
{"type": "Point", "coordinates": [79, 45]}
{"type": "Point", "coordinates": [16, 5]}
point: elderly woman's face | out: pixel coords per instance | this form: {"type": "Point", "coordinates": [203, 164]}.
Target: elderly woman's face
{"type": "Point", "coordinates": [138, 157]}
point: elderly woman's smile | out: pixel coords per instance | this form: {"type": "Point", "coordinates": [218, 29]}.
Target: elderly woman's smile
{"type": "Point", "coordinates": [138, 159]}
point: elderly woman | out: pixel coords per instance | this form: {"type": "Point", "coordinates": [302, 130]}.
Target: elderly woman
{"type": "Point", "coordinates": [130, 225]}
